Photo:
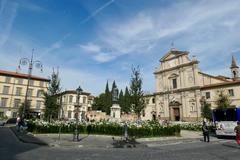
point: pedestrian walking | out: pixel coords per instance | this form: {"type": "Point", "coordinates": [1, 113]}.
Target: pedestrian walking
{"type": "Point", "coordinates": [237, 130]}
{"type": "Point", "coordinates": [205, 130]}
{"type": "Point", "coordinates": [18, 123]}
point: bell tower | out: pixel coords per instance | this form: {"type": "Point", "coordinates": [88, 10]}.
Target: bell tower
{"type": "Point", "coordinates": [234, 69]}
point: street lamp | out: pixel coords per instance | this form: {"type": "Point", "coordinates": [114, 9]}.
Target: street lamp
{"type": "Point", "coordinates": [76, 132]}
{"type": "Point", "coordinates": [30, 63]}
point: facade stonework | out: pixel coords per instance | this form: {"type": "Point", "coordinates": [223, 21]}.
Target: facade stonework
{"type": "Point", "coordinates": [68, 103]}
{"type": "Point", "coordinates": [13, 87]}
{"type": "Point", "coordinates": [181, 87]}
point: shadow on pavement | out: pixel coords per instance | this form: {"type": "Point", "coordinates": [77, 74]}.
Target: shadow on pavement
{"type": "Point", "coordinates": [126, 143]}
{"type": "Point", "coordinates": [10, 147]}
{"type": "Point", "coordinates": [27, 137]}
{"type": "Point", "coordinates": [232, 146]}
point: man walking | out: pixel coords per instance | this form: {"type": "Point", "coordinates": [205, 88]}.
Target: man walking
{"type": "Point", "coordinates": [205, 130]}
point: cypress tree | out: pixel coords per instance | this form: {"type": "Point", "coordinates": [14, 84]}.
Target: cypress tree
{"type": "Point", "coordinates": [127, 101]}
{"type": "Point", "coordinates": [137, 100]}
{"type": "Point", "coordinates": [121, 100]}
{"type": "Point", "coordinates": [107, 88]}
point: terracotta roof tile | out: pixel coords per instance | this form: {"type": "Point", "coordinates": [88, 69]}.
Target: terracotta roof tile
{"type": "Point", "coordinates": [237, 82]}
{"type": "Point", "coordinates": [21, 75]}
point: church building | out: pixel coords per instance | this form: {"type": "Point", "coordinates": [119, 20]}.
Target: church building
{"type": "Point", "coordinates": [181, 88]}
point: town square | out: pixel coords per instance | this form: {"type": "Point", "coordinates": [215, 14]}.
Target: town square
{"type": "Point", "coordinates": [119, 79]}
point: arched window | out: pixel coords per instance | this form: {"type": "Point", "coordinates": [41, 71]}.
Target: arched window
{"type": "Point", "coordinates": [234, 74]}
{"type": "Point", "coordinates": [153, 100]}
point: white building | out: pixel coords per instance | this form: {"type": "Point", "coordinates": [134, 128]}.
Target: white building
{"type": "Point", "coordinates": [181, 87]}
{"type": "Point", "coordinates": [69, 104]}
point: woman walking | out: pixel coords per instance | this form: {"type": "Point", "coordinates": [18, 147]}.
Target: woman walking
{"type": "Point", "coordinates": [237, 130]}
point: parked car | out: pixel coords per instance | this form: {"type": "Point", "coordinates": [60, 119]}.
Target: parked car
{"type": "Point", "coordinates": [11, 121]}
{"type": "Point", "coordinates": [2, 122]}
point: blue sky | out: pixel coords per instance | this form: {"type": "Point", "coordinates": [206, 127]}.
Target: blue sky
{"type": "Point", "coordinates": [92, 41]}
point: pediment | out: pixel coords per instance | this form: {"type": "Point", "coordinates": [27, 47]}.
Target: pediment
{"type": "Point", "coordinates": [172, 54]}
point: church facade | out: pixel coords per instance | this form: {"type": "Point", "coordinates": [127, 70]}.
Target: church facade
{"type": "Point", "coordinates": [181, 88]}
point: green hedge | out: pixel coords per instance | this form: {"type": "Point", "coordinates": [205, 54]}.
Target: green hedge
{"type": "Point", "coordinates": [152, 130]}
{"type": "Point", "coordinates": [196, 127]}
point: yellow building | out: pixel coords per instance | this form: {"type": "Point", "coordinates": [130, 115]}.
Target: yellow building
{"type": "Point", "coordinates": [13, 87]}
{"type": "Point", "coordinates": [181, 87]}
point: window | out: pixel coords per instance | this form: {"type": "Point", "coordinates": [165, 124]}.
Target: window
{"type": "Point", "coordinates": [231, 92]}
{"type": "Point", "coordinates": [8, 79]}
{"type": "Point", "coordinates": [4, 102]}
{"type": "Point", "coordinates": [18, 91]}
{"type": "Point", "coordinates": [14, 115]}
{"type": "Point", "coordinates": [84, 99]}
{"type": "Point", "coordinates": [143, 113]}
{"type": "Point", "coordinates": [41, 83]}
{"type": "Point", "coordinates": [20, 81]}
{"type": "Point", "coordinates": [30, 91]}
{"type": "Point", "coordinates": [208, 96]}
{"type": "Point", "coordinates": [174, 83]}
{"type": "Point", "coordinates": [69, 114]}
{"type": "Point", "coordinates": [38, 106]}
{"type": "Point", "coordinates": [6, 89]}
{"type": "Point", "coordinates": [29, 102]}
{"type": "Point", "coordinates": [39, 93]}
{"type": "Point", "coordinates": [31, 82]}
{"type": "Point", "coordinates": [70, 99]}
{"type": "Point", "coordinates": [17, 103]}
{"type": "Point", "coordinates": [153, 100]}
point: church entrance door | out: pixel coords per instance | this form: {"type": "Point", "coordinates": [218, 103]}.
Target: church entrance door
{"type": "Point", "coordinates": [176, 114]}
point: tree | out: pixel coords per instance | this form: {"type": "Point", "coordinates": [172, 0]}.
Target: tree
{"type": "Point", "coordinates": [51, 97]}
{"type": "Point", "coordinates": [27, 110]}
{"type": "Point", "coordinates": [206, 111]}
{"type": "Point", "coordinates": [99, 103]}
{"type": "Point", "coordinates": [121, 100]}
{"type": "Point", "coordinates": [107, 88]}
{"type": "Point", "coordinates": [127, 100]}
{"type": "Point", "coordinates": [136, 92]}
{"type": "Point", "coordinates": [223, 100]}
{"type": "Point", "coordinates": [107, 99]}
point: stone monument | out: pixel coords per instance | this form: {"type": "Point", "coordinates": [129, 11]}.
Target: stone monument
{"type": "Point", "coordinates": [115, 109]}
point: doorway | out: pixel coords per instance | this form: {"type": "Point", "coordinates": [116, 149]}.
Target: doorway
{"type": "Point", "coordinates": [176, 114]}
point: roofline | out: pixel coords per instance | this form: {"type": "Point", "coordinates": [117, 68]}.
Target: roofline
{"type": "Point", "coordinates": [75, 92]}
{"type": "Point", "coordinates": [180, 54]}
{"type": "Point", "coordinates": [22, 75]}
{"type": "Point", "coordinates": [178, 66]}
{"type": "Point", "coordinates": [220, 84]}
{"type": "Point", "coordinates": [213, 76]}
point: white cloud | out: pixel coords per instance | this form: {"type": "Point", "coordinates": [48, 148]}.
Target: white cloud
{"type": "Point", "coordinates": [202, 27]}
{"type": "Point", "coordinates": [90, 47]}
{"type": "Point", "coordinates": [103, 57]}
{"type": "Point", "coordinates": [8, 12]}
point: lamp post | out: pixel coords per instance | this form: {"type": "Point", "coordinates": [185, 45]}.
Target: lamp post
{"type": "Point", "coordinates": [30, 63]}
{"type": "Point", "coordinates": [76, 131]}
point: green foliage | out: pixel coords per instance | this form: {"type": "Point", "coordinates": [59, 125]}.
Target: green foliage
{"type": "Point", "coordinates": [100, 103]}
{"type": "Point", "coordinates": [206, 111]}
{"type": "Point", "coordinates": [125, 101]}
{"type": "Point", "coordinates": [196, 127]}
{"type": "Point", "coordinates": [149, 129]}
{"type": "Point", "coordinates": [51, 97]}
{"type": "Point", "coordinates": [223, 100]}
{"type": "Point", "coordinates": [136, 92]}
{"type": "Point", "coordinates": [121, 100]}
{"type": "Point", "coordinates": [27, 110]}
